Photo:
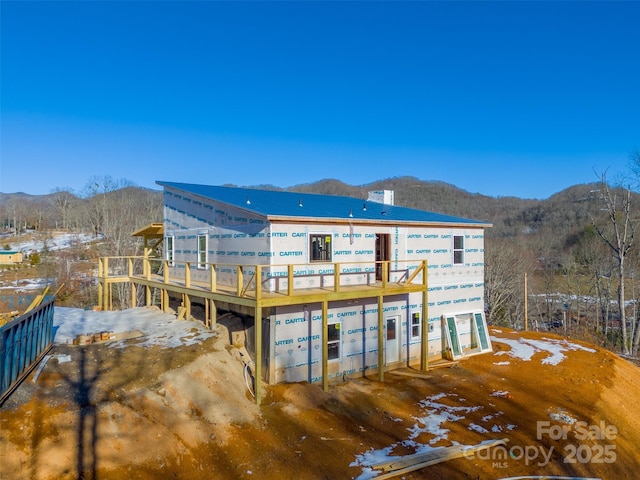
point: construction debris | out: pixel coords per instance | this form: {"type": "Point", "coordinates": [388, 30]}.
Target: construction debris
{"type": "Point", "coordinates": [102, 337]}
{"type": "Point", "coordinates": [410, 463]}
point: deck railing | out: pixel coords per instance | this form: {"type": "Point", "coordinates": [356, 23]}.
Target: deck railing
{"type": "Point", "coordinates": [22, 342]}
{"type": "Point", "coordinates": [254, 281]}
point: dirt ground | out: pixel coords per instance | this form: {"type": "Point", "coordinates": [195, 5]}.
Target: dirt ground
{"type": "Point", "coordinates": [186, 412]}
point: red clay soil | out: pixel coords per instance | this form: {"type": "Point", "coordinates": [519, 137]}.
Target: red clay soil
{"type": "Point", "coordinates": [152, 413]}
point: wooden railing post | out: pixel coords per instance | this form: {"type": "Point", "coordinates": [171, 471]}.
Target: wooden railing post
{"type": "Point", "coordinates": [381, 334]}
{"type": "Point", "coordinates": [424, 355]}
{"type": "Point", "coordinates": [325, 346]}
{"type": "Point", "coordinates": [290, 279]}
{"type": "Point", "coordinates": [258, 277]}
{"type": "Point", "coordinates": [100, 282]}
{"type": "Point", "coordinates": [107, 288]}
{"type": "Point", "coordinates": [336, 277]}
{"type": "Point", "coordinates": [240, 278]}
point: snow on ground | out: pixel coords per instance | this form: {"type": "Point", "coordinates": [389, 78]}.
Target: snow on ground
{"type": "Point", "coordinates": [158, 328]}
{"type": "Point", "coordinates": [25, 284]}
{"type": "Point", "coordinates": [56, 242]}
{"type": "Point", "coordinates": [525, 348]}
{"type": "Point", "coordinates": [434, 414]}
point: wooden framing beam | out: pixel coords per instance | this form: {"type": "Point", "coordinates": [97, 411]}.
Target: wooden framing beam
{"type": "Point", "coordinates": [325, 346]}
{"type": "Point", "coordinates": [258, 361]}
{"type": "Point", "coordinates": [424, 351]}
{"type": "Point", "coordinates": [380, 338]}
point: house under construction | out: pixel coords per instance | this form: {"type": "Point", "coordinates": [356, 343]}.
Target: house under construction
{"type": "Point", "coordinates": [332, 286]}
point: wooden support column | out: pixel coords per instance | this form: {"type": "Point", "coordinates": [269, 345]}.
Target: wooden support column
{"type": "Point", "coordinates": [213, 314]}
{"type": "Point", "coordinates": [107, 287]}
{"type": "Point", "coordinates": [100, 283]}
{"type": "Point", "coordinates": [424, 354]}
{"type": "Point", "coordinates": [258, 363]}
{"type": "Point", "coordinates": [325, 346]}
{"type": "Point", "coordinates": [134, 296]}
{"type": "Point", "coordinates": [336, 277]}
{"type": "Point", "coordinates": [147, 295]}
{"type": "Point", "coordinates": [381, 338]}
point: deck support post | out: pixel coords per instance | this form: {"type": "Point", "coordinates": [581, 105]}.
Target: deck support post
{"type": "Point", "coordinates": [258, 339]}
{"type": "Point", "coordinates": [381, 333]}
{"type": "Point", "coordinates": [325, 346]}
{"type": "Point", "coordinates": [424, 353]}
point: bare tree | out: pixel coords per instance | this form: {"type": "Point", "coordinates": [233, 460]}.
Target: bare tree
{"type": "Point", "coordinates": [504, 273]}
{"type": "Point", "coordinates": [63, 200]}
{"type": "Point", "coordinates": [635, 343]}
{"type": "Point", "coordinates": [619, 238]}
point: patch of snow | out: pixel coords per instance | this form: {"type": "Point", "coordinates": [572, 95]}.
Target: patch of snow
{"type": "Point", "coordinates": [502, 363]}
{"type": "Point", "coordinates": [500, 393]}
{"type": "Point", "coordinates": [57, 242]}
{"type": "Point", "coordinates": [525, 348]}
{"type": "Point", "coordinates": [562, 416]}
{"type": "Point", "coordinates": [519, 349]}
{"type": "Point", "coordinates": [158, 328]}
{"type": "Point", "coordinates": [25, 284]}
{"type": "Point", "coordinates": [430, 424]}
{"type": "Point", "coordinates": [477, 428]}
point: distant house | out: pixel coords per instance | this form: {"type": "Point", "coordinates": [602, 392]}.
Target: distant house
{"type": "Point", "coordinates": [10, 258]}
{"type": "Point", "coordinates": [341, 280]}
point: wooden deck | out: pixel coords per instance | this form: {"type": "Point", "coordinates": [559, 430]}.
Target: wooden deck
{"type": "Point", "coordinates": [240, 293]}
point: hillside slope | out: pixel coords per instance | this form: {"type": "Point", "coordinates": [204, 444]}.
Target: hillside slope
{"type": "Point", "coordinates": [145, 409]}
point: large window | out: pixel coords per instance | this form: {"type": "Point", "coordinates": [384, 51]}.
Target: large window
{"type": "Point", "coordinates": [458, 249]}
{"type": "Point", "coordinates": [333, 341]}
{"type": "Point", "coordinates": [202, 251]}
{"type": "Point", "coordinates": [170, 250]}
{"type": "Point", "coordinates": [320, 247]}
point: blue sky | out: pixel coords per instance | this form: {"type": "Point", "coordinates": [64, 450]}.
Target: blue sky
{"type": "Point", "coordinates": [501, 98]}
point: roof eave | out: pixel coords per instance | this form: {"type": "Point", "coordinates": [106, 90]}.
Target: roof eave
{"type": "Point", "coordinates": [362, 221]}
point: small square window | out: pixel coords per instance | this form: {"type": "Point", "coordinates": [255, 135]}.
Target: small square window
{"type": "Point", "coordinates": [333, 341]}
{"type": "Point", "coordinates": [320, 247]}
{"type": "Point", "coordinates": [415, 325]}
{"type": "Point", "coordinates": [170, 252]}
{"type": "Point", "coordinates": [458, 249]}
{"type": "Point", "coordinates": [202, 251]}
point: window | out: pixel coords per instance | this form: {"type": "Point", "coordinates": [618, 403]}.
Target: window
{"type": "Point", "coordinates": [458, 249]}
{"type": "Point", "coordinates": [320, 247]}
{"type": "Point", "coordinates": [415, 325]}
{"type": "Point", "coordinates": [170, 251]}
{"type": "Point", "coordinates": [333, 341]}
{"type": "Point", "coordinates": [202, 251]}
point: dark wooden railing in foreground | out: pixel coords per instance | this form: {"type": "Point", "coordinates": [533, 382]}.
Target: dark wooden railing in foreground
{"type": "Point", "coordinates": [23, 343]}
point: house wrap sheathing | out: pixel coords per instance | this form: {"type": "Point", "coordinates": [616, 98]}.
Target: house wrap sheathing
{"type": "Point", "coordinates": [314, 233]}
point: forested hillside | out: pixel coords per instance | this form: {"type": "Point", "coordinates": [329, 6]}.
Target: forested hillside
{"type": "Point", "coordinates": [568, 247]}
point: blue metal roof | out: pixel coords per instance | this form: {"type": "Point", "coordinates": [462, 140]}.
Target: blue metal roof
{"type": "Point", "coordinates": [275, 203]}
